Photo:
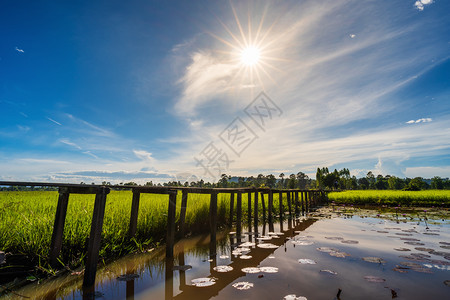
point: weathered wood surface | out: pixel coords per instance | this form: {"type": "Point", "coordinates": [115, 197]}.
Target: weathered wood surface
{"type": "Point", "coordinates": [170, 237]}
{"type": "Point", "coordinates": [134, 213]}
{"type": "Point", "coordinates": [58, 229]}
{"type": "Point", "coordinates": [184, 201]}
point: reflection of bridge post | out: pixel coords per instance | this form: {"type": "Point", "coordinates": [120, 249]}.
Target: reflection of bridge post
{"type": "Point", "coordinates": [296, 204]}
{"type": "Point", "coordinates": [182, 270]}
{"type": "Point", "coordinates": [270, 208]}
{"type": "Point", "coordinates": [280, 198]}
{"type": "Point", "coordinates": [130, 288]}
{"type": "Point", "coordinates": [263, 203]}
{"type": "Point", "coordinates": [255, 215]}
{"type": "Point", "coordinates": [231, 208]}
{"type": "Point", "coordinates": [249, 209]}
{"type": "Point", "coordinates": [168, 283]}
{"type": "Point", "coordinates": [281, 224]}
{"type": "Point", "coordinates": [213, 223]}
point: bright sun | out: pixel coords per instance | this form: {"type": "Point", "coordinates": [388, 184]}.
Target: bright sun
{"type": "Point", "coordinates": [250, 55]}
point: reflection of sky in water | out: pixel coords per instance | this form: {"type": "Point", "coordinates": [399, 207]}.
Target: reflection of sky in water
{"type": "Point", "coordinates": [302, 279]}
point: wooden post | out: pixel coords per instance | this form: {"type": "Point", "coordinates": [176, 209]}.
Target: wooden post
{"type": "Point", "coordinates": [303, 202]}
{"type": "Point", "coordinates": [238, 213]}
{"type": "Point", "coordinates": [288, 194]}
{"type": "Point", "coordinates": [297, 212]}
{"type": "Point", "coordinates": [58, 227]}
{"type": "Point", "coordinates": [308, 200]}
{"type": "Point", "coordinates": [170, 237]}
{"type": "Point", "coordinates": [184, 199]}
{"type": "Point", "coordinates": [249, 208]}
{"type": "Point", "coordinates": [231, 208]}
{"type": "Point", "coordinates": [134, 213]}
{"type": "Point", "coordinates": [280, 201]}
{"type": "Point", "coordinates": [255, 214]}
{"type": "Point", "coordinates": [213, 223]}
{"type": "Point", "coordinates": [95, 238]}
{"type": "Point", "coordinates": [270, 208]}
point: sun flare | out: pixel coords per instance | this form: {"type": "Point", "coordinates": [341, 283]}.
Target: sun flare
{"type": "Point", "coordinates": [250, 55]}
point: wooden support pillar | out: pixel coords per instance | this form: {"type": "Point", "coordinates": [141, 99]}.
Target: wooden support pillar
{"type": "Point", "coordinates": [58, 227]}
{"type": "Point", "coordinates": [170, 237]}
{"type": "Point", "coordinates": [280, 203]}
{"type": "Point", "coordinates": [95, 238]}
{"type": "Point", "coordinates": [134, 214]}
{"type": "Point", "coordinates": [297, 212]}
{"type": "Point", "coordinates": [270, 208]}
{"type": "Point", "coordinates": [184, 199]}
{"type": "Point", "coordinates": [308, 200]}
{"type": "Point", "coordinates": [303, 195]}
{"type": "Point", "coordinates": [213, 223]}
{"type": "Point", "coordinates": [249, 207]}
{"type": "Point", "coordinates": [288, 194]}
{"type": "Point", "coordinates": [255, 213]}
{"type": "Point", "coordinates": [239, 213]}
{"type": "Point", "coordinates": [231, 208]}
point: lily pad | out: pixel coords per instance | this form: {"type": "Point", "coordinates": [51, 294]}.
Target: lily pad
{"type": "Point", "coordinates": [264, 238]}
{"type": "Point", "coordinates": [182, 268]}
{"type": "Point", "coordinates": [127, 277]}
{"type": "Point", "coordinates": [374, 279]}
{"type": "Point", "coordinates": [336, 238]}
{"type": "Point", "coordinates": [306, 261]}
{"type": "Point", "coordinates": [223, 269]}
{"type": "Point", "coordinates": [403, 234]}
{"type": "Point", "coordinates": [243, 285]}
{"type": "Point", "coordinates": [251, 270]}
{"type": "Point", "coordinates": [247, 244]}
{"type": "Point", "coordinates": [245, 257]}
{"type": "Point", "coordinates": [424, 249]}
{"type": "Point", "coordinates": [267, 246]}
{"type": "Point", "coordinates": [402, 249]}
{"type": "Point", "coordinates": [349, 242]}
{"type": "Point", "coordinates": [294, 297]}
{"type": "Point", "coordinates": [302, 243]}
{"type": "Point", "coordinates": [445, 243]}
{"type": "Point", "coordinates": [224, 256]}
{"type": "Point", "coordinates": [338, 254]}
{"type": "Point", "coordinates": [327, 249]}
{"type": "Point", "coordinates": [375, 260]}
{"type": "Point", "coordinates": [269, 269]}
{"type": "Point", "coordinates": [203, 282]}
{"type": "Point", "coordinates": [415, 243]}
{"type": "Point", "coordinates": [410, 239]}
{"type": "Point", "coordinates": [329, 272]}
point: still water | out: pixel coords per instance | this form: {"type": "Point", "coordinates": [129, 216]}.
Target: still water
{"type": "Point", "coordinates": [334, 253]}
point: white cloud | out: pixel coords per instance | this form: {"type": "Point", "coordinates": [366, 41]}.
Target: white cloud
{"type": "Point", "coordinates": [352, 36]}
{"type": "Point", "coordinates": [420, 4]}
{"type": "Point", "coordinates": [19, 50]}
{"type": "Point", "coordinates": [144, 155]}
{"type": "Point", "coordinates": [422, 120]}
{"type": "Point", "coordinates": [50, 119]}
{"type": "Point", "coordinates": [69, 143]}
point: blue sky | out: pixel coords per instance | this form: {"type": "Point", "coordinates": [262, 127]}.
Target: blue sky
{"type": "Point", "coordinates": [116, 91]}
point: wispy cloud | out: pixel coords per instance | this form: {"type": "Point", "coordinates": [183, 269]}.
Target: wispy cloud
{"type": "Point", "coordinates": [69, 143]}
{"type": "Point", "coordinates": [51, 120]}
{"type": "Point", "coordinates": [420, 4]}
{"type": "Point", "coordinates": [19, 50]}
{"type": "Point", "coordinates": [422, 120]}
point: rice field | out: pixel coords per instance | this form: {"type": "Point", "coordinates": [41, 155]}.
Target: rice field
{"type": "Point", "coordinates": [437, 198]}
{"type": "Point", "coordinates": [27, 217]}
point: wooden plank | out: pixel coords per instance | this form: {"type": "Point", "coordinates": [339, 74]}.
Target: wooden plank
{"type": "Point", "coordinates": [213, 223]}
{"type": "Point", "coordinates": [134, 214]}
{"type": "Point", "coordinates": [95, 238]}
{"type": "Point", "coordinates": [81, 190]}
{"type": "Point", "coordinates": [231, 208]}
{"type": "Point", "coordinates": [184, 199]}
{"type": "Point", "coordinates": [58, 229]}
{"type": "Point", "coordinates": [239, 213]}
{"type": "Point", "coordinates": [170, 237]}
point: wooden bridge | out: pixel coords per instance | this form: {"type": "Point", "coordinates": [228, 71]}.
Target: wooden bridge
{"type": "Point", "coordinates": [298, 202]}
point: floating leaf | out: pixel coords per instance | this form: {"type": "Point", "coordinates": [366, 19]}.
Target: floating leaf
{"type": "Point", "coordinates": [182, 268]}
{"type": "Point", "coordinates": [400, 269]}
{"type": "Point", "coordinates": [336, 238]}
{"type": "Point", "coordinates": [415, 243]}
{"type": "Point", "coordinates": [349, 242]}
{"type": "Point", "coordinates": [374, 279]}
{"type": "Point", "coordinates": [403, 234]}
{"type": "Point", "coordinates": [444, 243]}
{"type": "Point", "coordinates": [306, 261]}
{"type": "Point", "coordinates": [302, 243]}
{"type": "Point", "coordinates": [327, 249]}
{"type": "Point", "coordinates": [382, 231]}
{"type": "Point", "coordinates": [376, 260]}
{"type": "Point", "coordinates": [243, 285]}
{"type": "Point", "coordinates": [424, 249]}
{"type": "Point", "coordinates": [203, 282]}
{"type": "Point", "coordinates": [267, 246]}
{"type": "Point", "coordinates": [223, 269]}
{"type": "Point", "coordinates": [251, 270]}
{"type": "Point", "coordinates": [401, 249]}
{"type": "Point", "coordinates": [264, 238]}
{"type": "Point", "coordinates": [127, 277]}
{"type": "Point", "coordinates": [329, 272]}
{"type": "Point", "coordinates": [245, 257]}
{"type": "Point", "coordinates": [269, 269]}
{"type": "Point", "coordinates": [439, 253]}
{"type": "Point", "coordinates": [430, 233]}
{"type": "Point", "coordinates": [338, 254]}
{"type": "Point", "coordinates": [410, 239]}
{"type": "Point", "coordinates": [224, 257]}
{"type": "Point", "coordinates": [445, 247]}
{"type": "Point", "coordinates": [247, 244]}
{"type": "Point", "coordinates": [294, 297]}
